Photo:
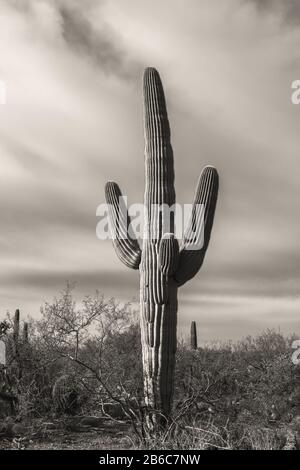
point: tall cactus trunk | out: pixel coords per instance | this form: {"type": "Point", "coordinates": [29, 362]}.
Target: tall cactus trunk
{"type": "Point", "coordinates": [194, 344]}
{"type": "Point", "coordinates": [158, 330]}
{"type": "Point", "coordinates": [158, 291]}
{"type": "Point", "coordinates": [163, 267]}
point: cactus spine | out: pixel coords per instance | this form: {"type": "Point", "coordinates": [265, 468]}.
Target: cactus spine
{"type": "Point", "coordinates": [194, 344]}
{"type": "Point", "coordinates": [163, 266]}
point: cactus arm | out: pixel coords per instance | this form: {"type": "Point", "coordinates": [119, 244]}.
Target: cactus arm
{"type": "Point", "coordinates": [126, 246]}
{"type": "Point", "coordinates": [197, 234]}
{"type": "Point", "coordinates": [168, 254]}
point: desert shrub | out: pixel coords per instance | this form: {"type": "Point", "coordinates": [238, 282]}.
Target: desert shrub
{"type": "Point", "coordinates": [243, 396]}
{"type": "Point", "coordinates": [65, 394]}
{"type": "Point", "coordinates": [96, 341]}
{"type": "Point", "coordinates": [251, 388]}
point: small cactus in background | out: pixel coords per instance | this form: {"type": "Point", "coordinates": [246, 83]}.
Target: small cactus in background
{"type": "Point", "coordinates": [16, 355]}
{"type": "Point", "coordinates": [25, 333]}
{"type": "Point", "coordinates": [14, 348]}
{"type": "Point", "coordinates": [16, 333]}
{"type": "Point", "coordinates": [194, 344]}
{"type": "Point", "coordinates": [163, 265]}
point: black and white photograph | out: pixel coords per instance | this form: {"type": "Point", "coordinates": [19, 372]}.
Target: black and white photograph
{"type": "Point", "coordinates": [150, 230]}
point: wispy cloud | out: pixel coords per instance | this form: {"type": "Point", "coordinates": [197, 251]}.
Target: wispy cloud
{"type": "Point", "coordinates": [101, 45]}
{"type": "Point", "coordinates": [288, 10]}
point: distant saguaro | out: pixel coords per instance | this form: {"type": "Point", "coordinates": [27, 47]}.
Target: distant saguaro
{"type": "Point", "coordinates": [194, 344]}
{"type": "Point", "coordinates": [16, 333]}
{"type": "Point", "coordinates": [25, 333]}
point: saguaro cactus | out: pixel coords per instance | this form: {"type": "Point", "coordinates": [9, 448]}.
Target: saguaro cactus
{"type": "Point", "coordinates": [194, 344]}
{"type": "Point", "coordinates": [162, 264]}
{"type": "Point", "coordinates": [16, 333]}
{"type": "Point", "coordinates": [25, 333]}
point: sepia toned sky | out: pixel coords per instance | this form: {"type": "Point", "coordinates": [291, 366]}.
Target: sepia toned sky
{"type": "Point", "coordinates": [73, 120]}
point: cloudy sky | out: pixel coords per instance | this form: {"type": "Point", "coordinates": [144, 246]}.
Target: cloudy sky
{"type": "Point", "coordinates": [73, 120]}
